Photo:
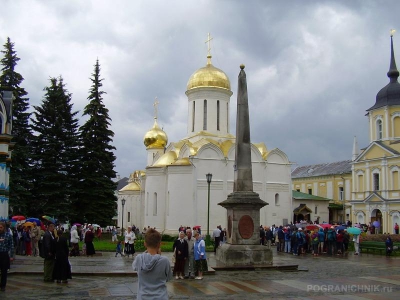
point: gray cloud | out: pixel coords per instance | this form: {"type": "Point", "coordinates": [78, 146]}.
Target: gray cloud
{"type": "Point", "coordinates": [313, 67]}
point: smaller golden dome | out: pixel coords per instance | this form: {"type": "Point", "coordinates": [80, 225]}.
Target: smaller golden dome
{"type": "Point", "coordinates": [155, 138]}
{"type": "Point", "coordinates": [209, 76]}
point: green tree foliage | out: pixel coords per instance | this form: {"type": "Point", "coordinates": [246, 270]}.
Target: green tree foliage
{"type": "Point", "coordinates": [97, 200]}
{"type": "Point", "coordinates": [56, 153]}
{"type": "Point", "coordinates": [21, 170]}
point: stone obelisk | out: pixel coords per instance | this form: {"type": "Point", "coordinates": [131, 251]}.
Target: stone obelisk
{"type": "Point", "coordinates": [243, 205]}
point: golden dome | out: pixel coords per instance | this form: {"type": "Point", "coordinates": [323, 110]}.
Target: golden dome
{"type": "Point", "coordinates": [209, 76]}
{"type": "Point", "coordinates": [155, 138]}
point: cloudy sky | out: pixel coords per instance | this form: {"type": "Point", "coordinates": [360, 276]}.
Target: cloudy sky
{"type": "Point", "coordinates": [313, 67]}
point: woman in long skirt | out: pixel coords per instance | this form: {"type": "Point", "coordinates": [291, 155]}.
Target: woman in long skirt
{"type": "Point", "coordinates": [89, 236]}
{"type": "Point", "coordinates": [181, 253]}
{"type": "Point", "coordinates": [62, 268]}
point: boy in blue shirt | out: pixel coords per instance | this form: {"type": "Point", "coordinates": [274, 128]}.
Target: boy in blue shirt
{"type": "Point", "coordinates": [119, 249]}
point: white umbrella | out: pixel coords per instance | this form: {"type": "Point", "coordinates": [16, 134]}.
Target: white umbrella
{"type": "Point", "coordinates": [95, 225]}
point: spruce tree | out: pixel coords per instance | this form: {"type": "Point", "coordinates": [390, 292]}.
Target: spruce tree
{"type": "Point", "coordinates": [21, 170]}
{"type": "Point", "coordinates": [56, 153]}
{"type": "Point", "coordinates": [97, 201]}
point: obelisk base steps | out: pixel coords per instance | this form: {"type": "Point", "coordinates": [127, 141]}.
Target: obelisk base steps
{"type": "Point", "coordinates": [244, 255]}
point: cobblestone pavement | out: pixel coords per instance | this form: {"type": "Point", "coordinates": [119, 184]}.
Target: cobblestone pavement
{"type": "Point", "coordinates": [322, 277]}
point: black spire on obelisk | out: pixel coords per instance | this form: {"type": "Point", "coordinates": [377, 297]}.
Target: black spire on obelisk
{"type": "Point", "coordinates": [243, 169]}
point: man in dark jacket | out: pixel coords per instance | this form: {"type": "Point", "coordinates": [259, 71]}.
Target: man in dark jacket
{"type": "Point", "coordinates": [281, 239]}
{"type": "Point", "coordinates": [262, 235]}
{"type": "Point", "coordinates": [49, 255]}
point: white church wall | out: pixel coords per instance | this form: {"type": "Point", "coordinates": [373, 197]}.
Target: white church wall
{"type": "Point", "coordinates": [180, 188]}
{"type": "Point", "coordinates": [155, 197]}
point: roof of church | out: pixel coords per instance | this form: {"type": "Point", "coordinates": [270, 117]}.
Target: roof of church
{"type": "Point", "coordinates": [383, 145]}
{"type": "Point", "coordinates": [338, 167]}
{"type": "Point", "coordinates": [390, 94]}
{"type": "Point", "coordinates": [303, 196]}
{"type": "Point", "coordinates": [122, 182]}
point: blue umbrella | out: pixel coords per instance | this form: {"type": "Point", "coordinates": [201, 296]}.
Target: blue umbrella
{"type": "Point", "coordinates": [376, 224]}
{"type": "Point", "coordinates": [341, 227]}
{"type": "Point", "coordinates": [34, 220]}
{"type": "Point", "coordinates": [354, 230]}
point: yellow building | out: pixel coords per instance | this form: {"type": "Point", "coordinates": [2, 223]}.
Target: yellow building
{"type": "Point", "coordinates": [375, 171]}
{"type": "Point", "coordinates": [327, 180]}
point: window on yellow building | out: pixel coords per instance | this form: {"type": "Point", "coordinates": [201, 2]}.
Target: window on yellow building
{"type": "Point", "coordinates": [360, 183]}
{"type": "Point", "coordinates": [379, 129]}
{"type": "Point", "coordinates": [376, 181]}
{"type": "Point", "coordinates": [310, 191]}
{"type": "Point", "coordinates": [341, 195]}
{"type": "Point", "coordinates": [316, 210]}
{"type": "Point", "coordinates": [395, 178]}
{"type": "Point", "coordinates": [298, 190]}
{"type": "Point", "coordinates": [129, 216]}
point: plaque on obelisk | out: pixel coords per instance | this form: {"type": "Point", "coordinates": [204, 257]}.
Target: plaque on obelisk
{"type": "Point", "coordinates": [243, 204]}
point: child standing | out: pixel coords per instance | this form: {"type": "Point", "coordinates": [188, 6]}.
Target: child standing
{"type": "Point", "coordinates": [153, 270]}
{"type": "Point", "coordinates": [119, 249]}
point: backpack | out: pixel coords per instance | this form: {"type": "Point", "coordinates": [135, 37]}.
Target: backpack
{"type": "Point", "coordinates": [300, 238]}
{"type": "Point", "coordinates": [331, 235]}
{"type": "Point", "coordinates": [294, 238]}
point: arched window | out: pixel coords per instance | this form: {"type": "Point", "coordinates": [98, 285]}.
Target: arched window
{"type": "Point", "coordinates": [360, 185]}
{"type": "Point", "coordinates": [277, 199]}
{"type": "Point", "coordinates": [396, 127]}
{"type": "Point", "coordinates": [395, 180]}
{"type": "Point", "coordinates": [193, 115]}
{"type": "Point", "coordinates": [155, 205]}
{"type": "Point", "coordinates": [379, 129]}
{"type": "Point", "coordinates": [217, 114]}
{"type": "Point", "coordinates": [205, 115]}
{"type": "Point", "coordinates": [375, 181]}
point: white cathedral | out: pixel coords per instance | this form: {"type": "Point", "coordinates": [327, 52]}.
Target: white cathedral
{"type": "Point", "coordinates": [173, 190]}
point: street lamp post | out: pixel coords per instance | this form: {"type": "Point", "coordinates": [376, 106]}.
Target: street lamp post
{"type": "Point", "coordinates": [343, 196]}
{"type": "Point", "coordinates": [122, 225]}
{"type": "Point", "coordinates": [208, 239]}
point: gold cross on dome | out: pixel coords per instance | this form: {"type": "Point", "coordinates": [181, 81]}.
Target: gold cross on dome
{"type": "Point", "coordinates": [155, 107]}
{"type": "Point", "coordinates": [209, 44]}
{"type": "Point", "coordinates": [392, 31]}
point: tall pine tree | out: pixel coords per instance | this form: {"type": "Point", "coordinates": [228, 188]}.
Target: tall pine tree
{"type": "Point", "coordinates": [97, 201]}
{"type": "Point", "coordinates": [21, 170]}
{"type": "Point", "coordinates": [56, 153]}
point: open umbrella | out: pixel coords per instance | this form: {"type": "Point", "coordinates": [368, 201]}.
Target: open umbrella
{"type": "Point", "coordinates": [50, 219]}
{"type": "Point", "coordinates": [77, 224]}
{"type": "Point", "coordinates": [18, 218]}
{"type": "Point", "coordinates": [301, 225]}
{"type": "Point", "coordinates": [325, 225]}
{"type": "Point", "coordinates": [312, 227]}
{"type": "Point", "coordinates": [95, 225]}
{"type": "Point", "coordinates": [376, 224]}
{"type": "Point", "coordinates": [26, 224]}
{"type": "Point", "coordinates": [341, 227]}
{"type": "Point", "coordinates": [34, 220]}
{"type": "Point", "coordinates": [354, 230]}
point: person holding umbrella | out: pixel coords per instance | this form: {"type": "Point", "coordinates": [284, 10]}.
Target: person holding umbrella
{"type": "Point", "coordinates": [6, 247]}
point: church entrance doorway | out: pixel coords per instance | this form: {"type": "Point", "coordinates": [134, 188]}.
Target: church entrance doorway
{"type": "Point", "coordinates": [376, 220]}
